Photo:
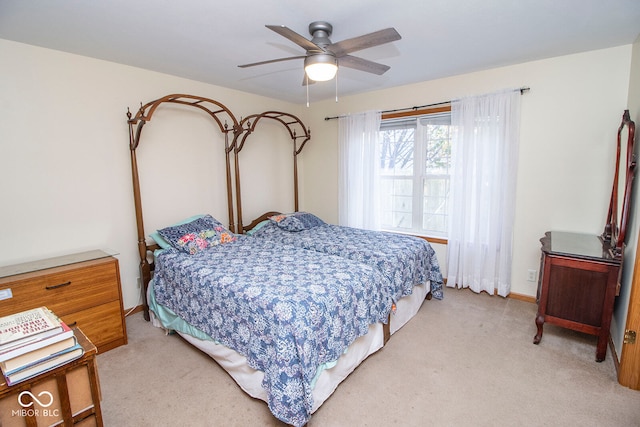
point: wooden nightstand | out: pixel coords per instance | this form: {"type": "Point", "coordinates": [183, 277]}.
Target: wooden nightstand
{"type": "Point", "coordinates": [578, 285]}
{"type": "Point", "coordinates": [83, 289]}
{"type": "Point", "coordinates": [68, 395]}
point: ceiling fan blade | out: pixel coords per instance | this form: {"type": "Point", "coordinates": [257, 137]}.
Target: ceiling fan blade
{"type": "Point", "coordinates": [377, 38]}
{"type": "Point", "coordinates": [362, 64]}
{"type": "Point", "coordinates": [307, 81]}
{"type": "Point", "coordinates": [304, 43]}
{"type": "Point", "coordinates": [271, 61]}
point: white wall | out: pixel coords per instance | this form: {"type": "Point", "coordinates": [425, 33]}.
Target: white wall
{"type": "Point", "coordinates": [65, 174]}
{"type": "Point", "coordinates": [567, 143]}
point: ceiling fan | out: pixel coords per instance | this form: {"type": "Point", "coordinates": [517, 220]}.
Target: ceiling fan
{"type": "Point", "coordinates": [323, 57]}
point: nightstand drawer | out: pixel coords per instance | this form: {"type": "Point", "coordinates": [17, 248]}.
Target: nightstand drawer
{"type": "Point", "coordinates": [63, 290]}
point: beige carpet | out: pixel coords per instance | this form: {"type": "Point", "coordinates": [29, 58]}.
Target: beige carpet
{"type": "Point", "coordinates": [467, 360]}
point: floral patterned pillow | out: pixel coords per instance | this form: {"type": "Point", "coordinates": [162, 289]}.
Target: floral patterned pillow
{"type": "Point", "coordinates": [197, 235]}
{"type": "Point", "coordinates": [297, 221]}
{"type": "Point", "coordinates": [160, 240]}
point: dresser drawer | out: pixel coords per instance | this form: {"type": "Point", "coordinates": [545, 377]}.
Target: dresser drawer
{"type": "Point", "coordinates": [64, 290]}
{"type": "Point", "coordinates": [101, 324]}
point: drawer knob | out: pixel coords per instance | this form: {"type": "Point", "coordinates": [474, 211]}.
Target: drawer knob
{"type": "Point", "coordinates": [61, 285]}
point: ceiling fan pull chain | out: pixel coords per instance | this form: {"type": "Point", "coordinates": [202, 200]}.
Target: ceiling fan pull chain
{"type": "Point", "coordinates": [337, 85]}
{"type": "Point", "coordinates": [307, 85]}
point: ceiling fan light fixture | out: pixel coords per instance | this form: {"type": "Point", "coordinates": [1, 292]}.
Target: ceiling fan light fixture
{"type": "Point", "coordinates": [321, 67]}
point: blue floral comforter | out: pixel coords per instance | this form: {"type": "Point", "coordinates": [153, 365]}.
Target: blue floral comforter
{"type": "Point", "coordinates": [406, 260]}
{"type": "Point", "coordinates": [286, 309]}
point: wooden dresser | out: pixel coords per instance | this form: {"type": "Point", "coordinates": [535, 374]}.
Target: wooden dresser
{"type": "Point", "coordinates": [68, 395]}
{"type": "Point", "coordinates": [82, 289]}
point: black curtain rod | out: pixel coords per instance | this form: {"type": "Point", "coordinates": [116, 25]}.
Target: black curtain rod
{"type": "Point", "coordinates": [419, 107]}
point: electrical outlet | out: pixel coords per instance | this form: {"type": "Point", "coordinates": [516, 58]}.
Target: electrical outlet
{"type": "Point", "coordinates": [531, 275]}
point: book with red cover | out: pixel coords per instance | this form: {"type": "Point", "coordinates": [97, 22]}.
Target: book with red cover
{"type": "Point", "coordinates": [19, 328]}
{"type": "Point", "coordinates": [34, 345]}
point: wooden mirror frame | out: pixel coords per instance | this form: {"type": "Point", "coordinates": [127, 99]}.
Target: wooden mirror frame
{"type": "Point", "coordinates": [616, 226]}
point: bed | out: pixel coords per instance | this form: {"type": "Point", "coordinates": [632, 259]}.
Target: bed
{"type": "Point", "coordinates": [405, 260]}
{"type": "Point", "coordinates": [286, 309]}
{"type": "Point", "coordinates": [288, 323]}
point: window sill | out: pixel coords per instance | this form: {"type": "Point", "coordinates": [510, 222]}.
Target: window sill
{"type": "Point", "coordinates": [430, 239]}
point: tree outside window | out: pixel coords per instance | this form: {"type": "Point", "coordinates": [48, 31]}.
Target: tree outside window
{"type": "Point", "coordinates": [415, 159]}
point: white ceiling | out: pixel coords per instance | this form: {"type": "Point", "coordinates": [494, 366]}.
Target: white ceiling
{"type": "Point", "coordinates": [205, 40]}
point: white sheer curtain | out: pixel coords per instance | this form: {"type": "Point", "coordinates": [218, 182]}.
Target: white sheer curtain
{"type": "Point", "coordinates": [483, 183]}
{"type": "Point", "coordinates": [359, 160]}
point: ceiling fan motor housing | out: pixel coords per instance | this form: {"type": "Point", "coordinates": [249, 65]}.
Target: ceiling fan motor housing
{"type": "Point", "coordinates": [321, 31]}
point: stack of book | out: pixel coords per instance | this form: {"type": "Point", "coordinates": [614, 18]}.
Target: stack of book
{"type": "Point", "coordinates": [33, 342]}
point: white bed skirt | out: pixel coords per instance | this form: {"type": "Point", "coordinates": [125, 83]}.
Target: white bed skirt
{"type": "Point", "coordinates": [250, 380]}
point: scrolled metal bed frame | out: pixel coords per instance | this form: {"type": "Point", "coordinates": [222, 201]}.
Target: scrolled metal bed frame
{"type": "Point", "coordinates": [235, 135]}
{"type": "Point", "coordinates": [300, 136]}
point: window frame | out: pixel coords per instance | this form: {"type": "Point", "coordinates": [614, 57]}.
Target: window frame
{"type": "Point", "coordinates": [441, 108]}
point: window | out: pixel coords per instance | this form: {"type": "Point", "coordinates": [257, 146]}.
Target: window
{"type": "Point", "coordinates": [415, 158]}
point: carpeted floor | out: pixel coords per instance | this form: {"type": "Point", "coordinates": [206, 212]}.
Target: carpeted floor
{"type": "Point", "coordinates": [467, 360]}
